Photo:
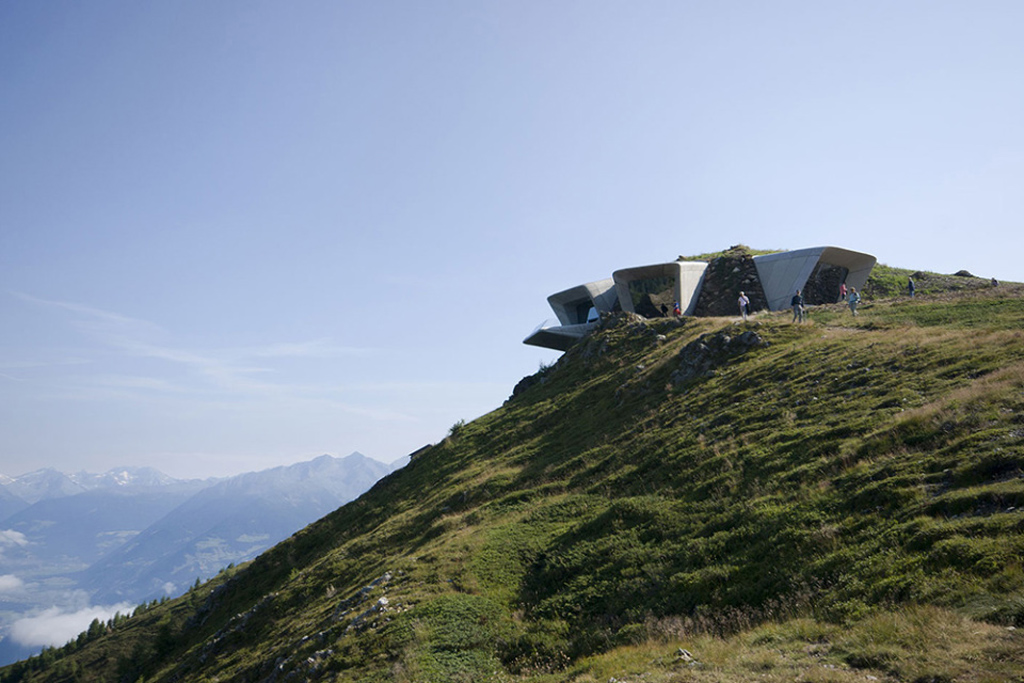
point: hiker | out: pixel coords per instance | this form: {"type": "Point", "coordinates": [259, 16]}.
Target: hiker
{"type": "Point", "coordinates": [744, 303]}
{"type": "Point", "coordinates": [676, 311]}
{"type": "Point", "coordinates": [853, 299]}
{"type": "Point", "coordinates": [995, 282]}
{"type": "Point", "coordinates": [910, 286]}
{"type": "Point", "coordinates": [842, 292]}
{"type": "Point", "coordinates": [797, 302]}
{"type": "Point", "coordinates": [664, 311]}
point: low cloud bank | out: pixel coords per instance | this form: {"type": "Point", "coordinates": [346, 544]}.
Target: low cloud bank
{"type": "Point", "coordinates": [55, 627]}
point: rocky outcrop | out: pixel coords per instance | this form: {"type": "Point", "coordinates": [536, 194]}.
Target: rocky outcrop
{"type": "Point", "coordinates": [724, 279]}
{"type": "Point", "coordinates": [700, 357]}
{"type": "Point", "coordinates": [822, 287]}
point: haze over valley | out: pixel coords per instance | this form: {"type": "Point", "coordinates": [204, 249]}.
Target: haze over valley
{"type": "Point", "coordinates": [75, 547]}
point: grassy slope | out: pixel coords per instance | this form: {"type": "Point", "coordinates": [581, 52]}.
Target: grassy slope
{"type": "Point", "coordinates": [833, 505]}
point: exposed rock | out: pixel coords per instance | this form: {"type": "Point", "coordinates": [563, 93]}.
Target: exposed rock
{"type": "Point", "coordinates": [724, 279]}
{"type": "Point", "coordinates": [822, 287]}
{"type": "Point", "coordinates": [539, 377]}
{"type": "Point", "coordinates": [344, 607]}
{"type": "Point", "coordinates": [963, 273]}
{"type": "Point", "coordinates": [357, 622]}
{"type": "Point", "coordinates": [700, 357]}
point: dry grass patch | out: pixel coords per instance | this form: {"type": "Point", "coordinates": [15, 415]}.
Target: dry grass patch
{"type": "Point", "coordinates": [915, 644]}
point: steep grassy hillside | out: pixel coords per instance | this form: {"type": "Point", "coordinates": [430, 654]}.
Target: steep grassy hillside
{"type": "Point", "coordinates": [822, 502]}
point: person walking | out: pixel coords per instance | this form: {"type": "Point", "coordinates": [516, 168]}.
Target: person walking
{"type": "Point", "coordinates": [853, 298]}
{"type": "Point", "coordinates": [910, 286]}
{"type": "Point", "coordinates": [744, 303]}
{"type": "Point", "coordinates": [797, 302]}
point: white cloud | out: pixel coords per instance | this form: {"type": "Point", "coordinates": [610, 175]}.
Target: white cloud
{"type": "Point", "coordinates": [9, 583]}
{"type": "Point", "coordinates": [227, 369]}
{"type": "Point", "coordinates": [56, 627]}
{"type": "Point", "coordinates": [10, 537]}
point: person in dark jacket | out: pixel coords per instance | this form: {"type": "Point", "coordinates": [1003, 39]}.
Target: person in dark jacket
{"type": "Point", "coordinates": [797, 303]}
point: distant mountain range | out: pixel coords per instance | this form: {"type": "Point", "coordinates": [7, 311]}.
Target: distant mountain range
{"type": "Point", "coordinates": [229, 522]}
{"type": "Point", "coordinates": [48, 483]}
{"type": "Point", "coordinates": [131, 535]}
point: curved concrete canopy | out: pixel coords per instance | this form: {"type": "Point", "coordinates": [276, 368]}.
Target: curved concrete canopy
{"type": "Point", "coordinates": [783, 273]}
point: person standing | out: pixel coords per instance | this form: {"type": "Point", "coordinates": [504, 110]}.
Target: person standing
{"type": "Point", "coordinates": [842, 292]}
{"type": "Point", "coordinates": [744, 303]}
{"type": "Point", "coordinates": [853, 298]}
{"type": "Point", "coordinates": [910, 286]}
{"type": "Point", "coordinates": [797, 302]}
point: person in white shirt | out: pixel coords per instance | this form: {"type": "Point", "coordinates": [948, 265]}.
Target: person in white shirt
{"type": "Point", "coordinates": [852, 299]}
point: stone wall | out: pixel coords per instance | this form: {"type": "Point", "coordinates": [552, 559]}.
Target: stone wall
{"type": "Point", "coordinates": [724, 279]}
{"type": "Point", "coordinates": [822, 286]}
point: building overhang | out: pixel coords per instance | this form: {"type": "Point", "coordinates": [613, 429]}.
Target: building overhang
{"type": "Point", "coordinates": [572, 305]}
{"type": "Point", "coordinates": [558, 337]}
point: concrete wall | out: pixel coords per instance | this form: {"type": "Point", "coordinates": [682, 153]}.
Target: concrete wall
{"type": "Point", "coordinates": [688, 276]}
{"type": "Point", "coordinates": [782, 274]}
{"type": "Point", "coordinates": [600, 294]}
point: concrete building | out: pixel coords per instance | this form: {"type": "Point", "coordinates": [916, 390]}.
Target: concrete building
{"type": "Point", "coordinates": [578, 310]}
{"type": "Point", "coordinates": [655, 290]}
{"type": "Point", "coordinates": [646, 289]}
{"type": "Point", "coordinates": [783, 273]}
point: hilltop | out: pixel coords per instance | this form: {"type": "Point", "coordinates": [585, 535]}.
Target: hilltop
{"type": "Point", "coordinates": [672, 500]}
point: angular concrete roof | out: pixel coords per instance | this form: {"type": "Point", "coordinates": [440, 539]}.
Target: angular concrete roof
{"type": "Point", "coordinates": [566, 304]}
{"type": "Point", "coordinates": [558, 337]}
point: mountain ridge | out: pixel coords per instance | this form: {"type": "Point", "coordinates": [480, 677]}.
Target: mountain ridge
{"type": "Point", "coordinates": [133, 535]}
{"type": "Point", "coordinates": [655, 499]}
{"type": "Point", "coordinates": [228, 522]}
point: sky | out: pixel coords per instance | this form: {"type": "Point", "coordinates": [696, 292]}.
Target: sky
{"type": "Point", "coordinates": [238, 235]}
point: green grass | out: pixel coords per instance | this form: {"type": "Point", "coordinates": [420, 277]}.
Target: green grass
{"type": "Point", "coordinates": [843, 501]}
{"type": "Point", "coordinates": [736, 250]}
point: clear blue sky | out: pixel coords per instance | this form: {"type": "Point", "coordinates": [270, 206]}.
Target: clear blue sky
{"type": "Point", "coordinates": [235, 235]}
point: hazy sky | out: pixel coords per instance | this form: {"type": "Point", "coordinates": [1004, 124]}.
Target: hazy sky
{"type": "Point", "coordinates": [235, 235]}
